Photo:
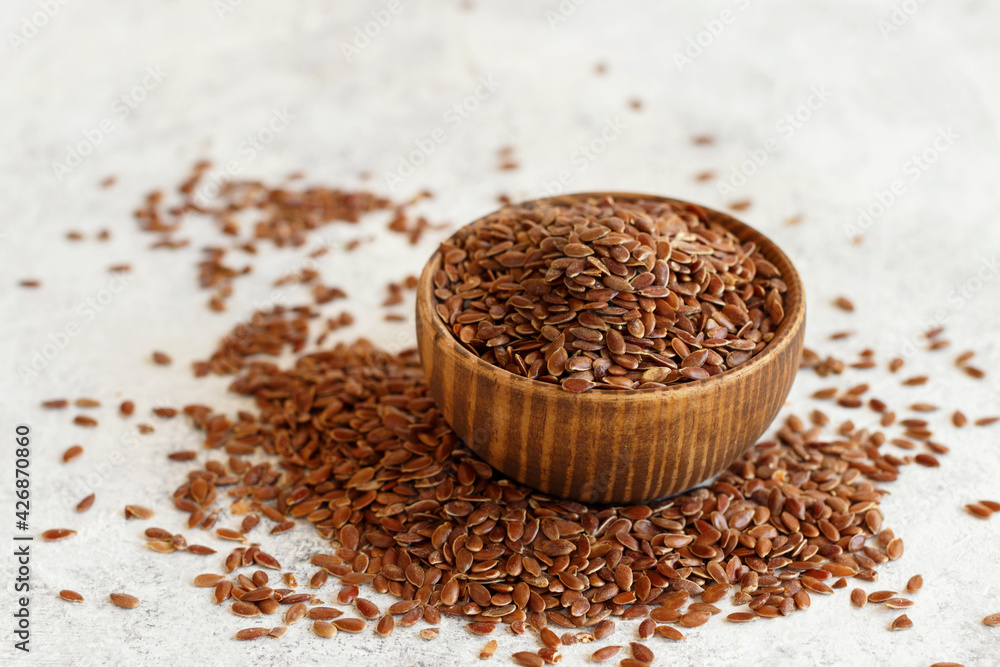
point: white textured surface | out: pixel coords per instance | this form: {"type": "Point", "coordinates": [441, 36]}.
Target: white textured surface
{"type": "Point", "coordinates": [889, 96]}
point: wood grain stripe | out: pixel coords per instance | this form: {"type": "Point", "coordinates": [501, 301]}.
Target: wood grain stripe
{"type": "Point", "coordinates": [640, 461]}
{"type": "Point", "coordinates": [683, 450]}
{"type": "Point", "coordinates": [571, 473]}
{"type": "Point", "coordinates": [652, 446]}
{"type": "Point", "coordinates": [589, 481]}
{"type": "Point", "coordinates": [565, 435]}
{"type": "Point", "coordinates": [539, 440]}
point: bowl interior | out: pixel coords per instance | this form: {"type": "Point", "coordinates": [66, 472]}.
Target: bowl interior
{"type": "Point", "coordinates": [783, 335]}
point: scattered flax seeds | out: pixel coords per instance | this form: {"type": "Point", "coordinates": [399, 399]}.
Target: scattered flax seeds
{"type": "Point", "coordinates": [252, 633]}
{"type": "Point", "coordinates": [86, 503]}
{"type": "Point", "coordinates": [72, 453]}
{"type": "Point", "coordinates": [283, 215]}
{"type": "Point", "coordinates": [979, 510]}
{"type": "Point", "coordinates": [506, 160]}
{"type": "Point", "coordinates": [57, 534]}
{"type": "Point", "coordinates": [964, 357]}
{"type": "Point", "coordinates": [422, 462]}
{"type": "Point", "coordinates": [70, 596]}
{"type": "Point", "coordinates": [487, 651]}
{"type": "Point", "coordinates": [138, 512]}
{"type": "Point", "coordinates": [162, 358]}
{"type": "Point", "coordinates": [844, 304]}
{"type": "Point", "coordinates": [902, 622]}
{"type": "Point", "coordinates": [858, 598]}
{"type": "Point", "coordinates": [360, 452]}
{"type": "Point", "coordinates": [124, 600]}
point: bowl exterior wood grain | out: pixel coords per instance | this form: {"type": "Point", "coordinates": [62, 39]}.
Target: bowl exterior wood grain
{"type": "Point", "coordinates": [612, 446]}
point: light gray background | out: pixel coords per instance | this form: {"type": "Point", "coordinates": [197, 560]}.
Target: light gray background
{"type": "Point", "coordinates": [887, 92]}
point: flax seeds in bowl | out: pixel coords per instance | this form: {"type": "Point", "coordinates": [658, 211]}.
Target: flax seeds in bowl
{"type": "Point", "coordinates": [607, 293]}
{"type": "Point", "coordinates": [609, 347]}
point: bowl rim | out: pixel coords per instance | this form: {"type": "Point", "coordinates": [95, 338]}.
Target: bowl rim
{"type": "Point", "coordinates": [784, 335]}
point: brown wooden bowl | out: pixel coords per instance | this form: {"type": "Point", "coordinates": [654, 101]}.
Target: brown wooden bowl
{"type": "Point", "coordinates": [612, 446]}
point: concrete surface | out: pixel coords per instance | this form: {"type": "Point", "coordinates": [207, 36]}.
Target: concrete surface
{"type": "Point", "coordinates": [819, 109]}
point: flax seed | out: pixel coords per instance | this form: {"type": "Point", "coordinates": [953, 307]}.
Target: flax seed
{"type": "Point", "coordinates": [86, 503]}
{"type": "Point", "coordinates": [385, 625]}
{"type": "Point", "coordinates": [57, 534]}
{"type": "Point", "coordinates": [324, 629]}
{"type": "Point", "coordinates": [125, 600]}
{"type": "Point", "coordinates": [350, 624]}
{"type": "Point", "coordinates": [979, 510]}
{"type": "Point", "coordinates": [207, 580]}
{"type": "Point", "coordinates": [252, 633]}
{"type": "Point", "coordinates": [162, 358]}
{"type": "Point", "coordinates": [902, 622]}
{"type": "Point", "coordinates": [487, 651]}
{"type": "Point", "coordinates": [844, 304]}
{"type": "Point", "coordinates": [527, 659]}
{"type": "Point", "coordinates": [606, 653]}
{"type": "Point", "coordinates": [138, 512]}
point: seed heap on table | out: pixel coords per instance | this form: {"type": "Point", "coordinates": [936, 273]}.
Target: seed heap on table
{"type": "Point", "coordinates": [355, 447]}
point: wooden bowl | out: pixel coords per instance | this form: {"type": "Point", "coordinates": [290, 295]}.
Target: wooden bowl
{"type": "Point", "coordinates": [612, 446]}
